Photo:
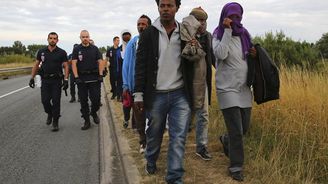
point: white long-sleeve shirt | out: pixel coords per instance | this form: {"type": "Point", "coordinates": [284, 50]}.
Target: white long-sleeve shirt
{"type": "Point", "coordinates": [231, 72]}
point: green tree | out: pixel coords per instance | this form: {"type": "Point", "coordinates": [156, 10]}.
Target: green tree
{"type": "Point", "coordinates": [32, 49]}
{"type": "Point", "coordinates": [102, 49]}
{"type": "Point", "coordinates": [284, 50]}
{"type": "Point", "coordinates": [19, 48]}
{"type": "Point", "coordinates": [322, 45]}
{"type": "Point", "coordinates": [6, 51]}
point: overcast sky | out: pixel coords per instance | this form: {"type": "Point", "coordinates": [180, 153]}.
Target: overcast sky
{"type": "Point", "coordinates": [30, 21]}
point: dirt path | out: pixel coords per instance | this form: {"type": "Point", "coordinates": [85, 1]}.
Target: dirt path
{"type": "Point", "coordinates": [197, 170]}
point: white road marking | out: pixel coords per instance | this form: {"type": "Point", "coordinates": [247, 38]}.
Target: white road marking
{"type": "Point", "coordinates": [2, 96]}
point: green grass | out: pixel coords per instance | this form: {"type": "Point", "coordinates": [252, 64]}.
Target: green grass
{"type": "Point", "coordinates": [15, 61]}
{"type": "Point", "coordinates": [18, 59]}
{"type": "Point", "coordinates": [288, 140]}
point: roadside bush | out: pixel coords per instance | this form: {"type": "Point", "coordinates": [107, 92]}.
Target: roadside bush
{"type": "Point", "coordinates": [8, 59]}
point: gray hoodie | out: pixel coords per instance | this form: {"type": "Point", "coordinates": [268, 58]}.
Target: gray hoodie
{"type": "Point", "coordinates": [231, 72]}
{"type": "Point", "coordinates": [169, 75]}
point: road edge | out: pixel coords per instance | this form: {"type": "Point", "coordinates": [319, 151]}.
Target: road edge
{"type": "Point", "coordinates": [131, 171]}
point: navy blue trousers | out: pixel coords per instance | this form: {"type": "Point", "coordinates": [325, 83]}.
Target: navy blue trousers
{"type": "Point", "coordinates": [50, 96]}
{"type": "Point", "coordinates": [89, 91]}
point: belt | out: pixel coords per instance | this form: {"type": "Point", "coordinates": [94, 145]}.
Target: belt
{"type": "Point", "coordinates": [52, 76]}
{"type": "Point", "coordinates": [88, 72]}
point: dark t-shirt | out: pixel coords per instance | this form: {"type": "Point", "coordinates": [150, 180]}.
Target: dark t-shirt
{"type": "Point", "coordinates": [52, 62]}
{"type": "Point", "coordinates": [87, 61]}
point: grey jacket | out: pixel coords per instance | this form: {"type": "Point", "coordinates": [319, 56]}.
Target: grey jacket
{"type": "Point", "coordinates": [195, 54]}
{"type": "Point", "coordinates": [231, 73]}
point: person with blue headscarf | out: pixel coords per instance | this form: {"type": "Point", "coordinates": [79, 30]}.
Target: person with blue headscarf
{"type": "Point", "coordinates": [232, 45]}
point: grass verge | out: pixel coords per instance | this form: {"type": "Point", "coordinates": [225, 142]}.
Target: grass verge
{"type": "Point", "coordinates": [287, 142]}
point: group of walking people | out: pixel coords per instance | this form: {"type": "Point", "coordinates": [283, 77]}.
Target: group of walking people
{"type": "Point", "coordinates": [87, 69]}
{"type": "Point", "coordinates": [164, 74]}
{"type": "Point", "coordinates": [167, 73]}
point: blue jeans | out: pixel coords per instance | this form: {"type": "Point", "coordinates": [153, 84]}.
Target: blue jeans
{"type": "Point", "coordinates": [202, 120]}
{"type": "Point", "coordinates": [173, 105]}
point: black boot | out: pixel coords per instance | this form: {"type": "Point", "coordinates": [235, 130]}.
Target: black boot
{"type": "Point", "coordinates": [86, 125]}
{"type": "Point", "coordinates": [55, 127]}
{"type": "Point", "coordinates": [95, 117]}
{"type": "Point", "coordinates": [49, 119]}
{"type": "Point", "coordinates": [72, 99]}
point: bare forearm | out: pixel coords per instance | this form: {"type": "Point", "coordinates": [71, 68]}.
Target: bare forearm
{"type": "Point", "coordinates": [66, 70]}
{"type": "Point", "coordinates": [35, 69]}
{"type": "Point", "coordinates": [101, 66]}
{"type": "Point", "coordinates": [74, 68]}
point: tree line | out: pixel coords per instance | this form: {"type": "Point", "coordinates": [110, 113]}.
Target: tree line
{"type": "Point", "coordinates": [285, 51]}
{"type": "Point", "coordinates": [18, 48]}
{"type": "Point", "coordinates": [282, 49]}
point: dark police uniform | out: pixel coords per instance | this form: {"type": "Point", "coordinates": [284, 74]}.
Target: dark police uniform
{"type": "Point", "coordinates": [87, 68]}
{"type": "Point", "coordinates": [51, 73]}
{"type": "Point", "coordinates": [71, 80]}
{"type": "Point", "coordinates": [115, 71]}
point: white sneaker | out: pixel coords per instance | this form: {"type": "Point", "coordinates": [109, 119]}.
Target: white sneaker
{"type": "Point", "coordinates": [142, 149]}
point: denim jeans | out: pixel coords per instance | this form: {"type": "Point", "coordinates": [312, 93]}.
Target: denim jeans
{"type": "Point", "coordinates": [202, 119]}
{"type": "Point", "coordinates": [141, 126]}
{"type": "Point", "coordinates": [237, 121]}
{"type": "Point", "coordinates": [173, 105]}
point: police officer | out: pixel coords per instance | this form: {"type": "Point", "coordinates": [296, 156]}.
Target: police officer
{"type": "Point", "coordinates": [88, 66]}
{"type": "Point", "coordinates": [49, 63]}
{"type": "Point", "coordinates": [71, 77]}
{"type": "Point", "coordinates": [115, 60]}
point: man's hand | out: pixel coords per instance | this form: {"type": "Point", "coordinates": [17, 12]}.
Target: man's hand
{"type": "Point", "coordinates": [252, 52]}
{"type": "Point", "coordinates": [193, 42]}
{"type": "Point", "coordinates": [139, 111]}
{"type": "Point", "coordinates": [65, 84]}
{"type": "Point", "coordinates": [31, 83]}
{"type": "Point", "coordinates": [78, 80]}
{"type": "Point", "coordinates": [125, 93]}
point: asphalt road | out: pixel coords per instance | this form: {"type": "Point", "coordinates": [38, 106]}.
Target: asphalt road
{"type": "Point", "coordinates": [30, 153]}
